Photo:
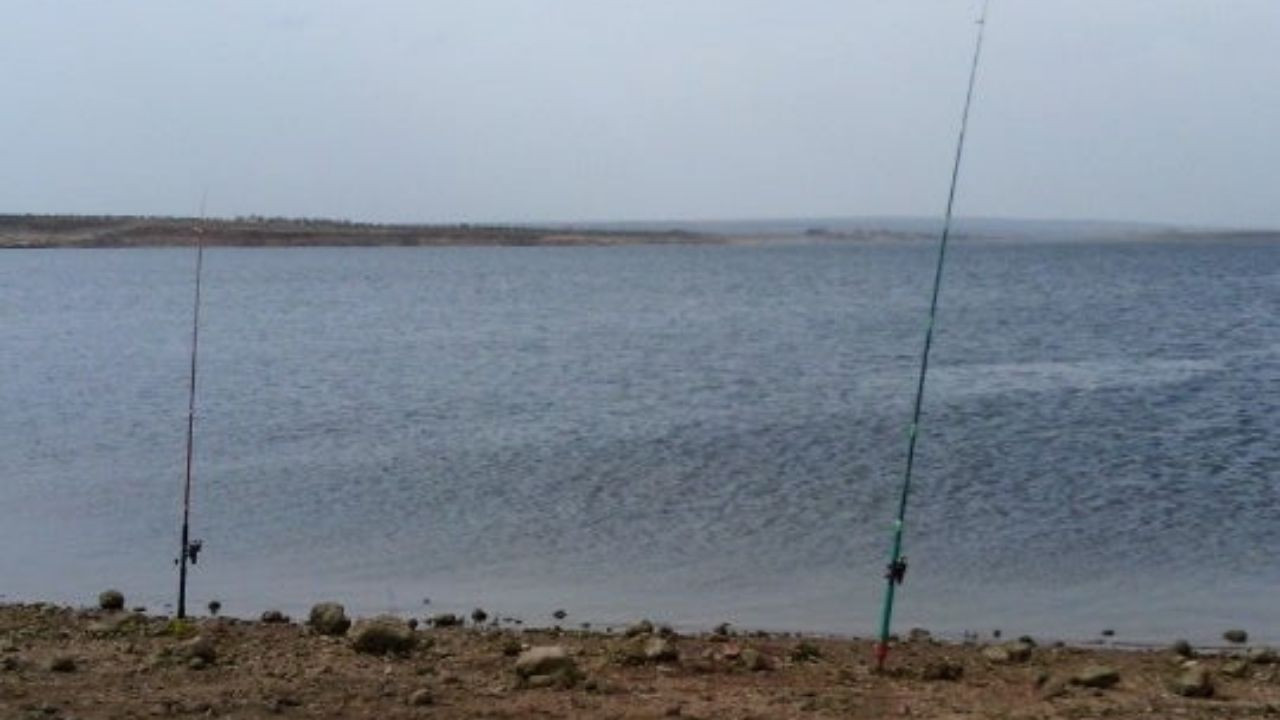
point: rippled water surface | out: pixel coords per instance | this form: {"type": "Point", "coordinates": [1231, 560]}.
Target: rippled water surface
{"type": "Point", "coordinates": [696, 434]}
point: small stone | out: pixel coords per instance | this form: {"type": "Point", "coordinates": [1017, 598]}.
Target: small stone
{"type": "Point", "coordinates": [942, 670]}
{"type": "Point", "coordinates": [805, 651]}
{"type": "Point", "coordinates": [1262, 656]}
{"type": "Point", "coordinates": [197, 663]}
{"type": "Point", "coordinates": [1236, 636]}
{"type": "Point", "coordinates": [1015, 652]}
{"type": "Point", "coordinates": [382, 635]}
{"type": "Point", "coordinates": [63, 663]}
{"type": "Point", "coordinates": [444, 620]}
{"type": "Point", "coordinates": [199, 647]}
{"type": "Point", "coordinates": [1235, 668]}
{"type": "Point", "coordinates": [478, 616]}
{"type": "Point", "coordinates": [660, 650]}
{"type": "Point", "coordinates": [918, 634]}
{"type": "Point", "coordinates": [756, 661]}
{"type": "Point", "coordinates": [644, 627]}
{"type": "Point", "coordinates": [111, 600]}
{"type": "Point", "coordinates": [1096, 676]}
{"type": "Point", "coordinates": [550, 661]}
{"type": "Point", "coordinates": [1195, 682]}
{"type": "Point", "coordinates": [421, 697]}
{"type": "Point", "coordinates": [1182, 648]}
{"type": "Point", "coordinates": [274, 617]}
{"type": "Point", "coordinates": [329, 618]}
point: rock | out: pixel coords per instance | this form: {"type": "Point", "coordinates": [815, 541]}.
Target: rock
{"type": "Point", "coordinates": [1262, 656]}
{"type": "Point", "coordinates": [1236, 636]}
{"type": "Point", "coordinates": [382, 635]}
{"type": "Point", "coordinates": [444, 620]}
{"type": "Point", "coordinates": [1195, 682]}
{"type": "Point", "coordinates": [1014, 652]}
{"type": "Point", "coordinates": [197, 663]}
{"type": "Point", "coordinates": [64, 663]}
{"type": "Point", "coordinates": [274, 617]}
{"type": "Point", "coordinates": [1096, 676]}
{"type": "Point", "coordinates": [644, 627]}
{"type": "Point", "coordinates": [805, 651]}
{"type": "Point", "coordinates": [115, 623]}
{"type": "Point", "coordinates": [545, 666]}
{"type": "Point", "coordinates": [942, 670]}
{"type": "Point", "coordinates": [660, 650]}
{"type": "Point", "coordinates": [1235, 668]}
{"type": "Point", "coordinates": [756, 661]}
{"type": "Point", "coordinates": [1182, 648]}
{"type": "Point", "coordinates": [329, 618]}
{"type": "Point", "coordinates": [199, 647]}
{"type": "Point", "coordinates": [111, 600]}
{"type": "Point", "coordinates": [478, 616]}
{"type": "Point", "coordinates": [421, 697]}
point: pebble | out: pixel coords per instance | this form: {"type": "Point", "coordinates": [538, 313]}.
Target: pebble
{"type": "Point", "coordinates": [1096, 676]}
{"type": "Point", "coordinates": [756, 661]}
{"type": "Point", "coordinates": [382, 635]}
{"type": "Point", "coordinates": [1236, 636]}
{"type": "Point", "coordinates": [1195, 682]}
{"type": "Point", "coordinates": [199, 647]}
{"type": "Point", "coordinates": [942, 670]}
{"type": "Point", "coordinates": [443, 620]}
{"type": "Point", "coordinates": [421, 697]}
{"type": "Point", "coordinates": [1235, 668]}
{"type": "Point", "coordinates": [111, 600]}
{"type": "Point", "coordinates": [329, 618]}
{"type": "Point", "coordinates": [62, 664]}
{"type": "Point", "coordinates": [644, 627]}
{"type": "Point", "coordinates": [660, 650]}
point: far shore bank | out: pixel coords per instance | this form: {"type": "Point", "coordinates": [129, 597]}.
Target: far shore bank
{"type": "Point", "coordinates": [109, 662]}
{"type": "Point", "coordinates": [88, 232]}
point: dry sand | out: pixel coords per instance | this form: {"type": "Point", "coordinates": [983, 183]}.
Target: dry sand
{"type": "Point", "coordinates": [67, 663]}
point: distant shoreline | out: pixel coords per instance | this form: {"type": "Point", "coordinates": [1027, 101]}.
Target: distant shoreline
{"type": "Point", "coordinates": [114, 232]}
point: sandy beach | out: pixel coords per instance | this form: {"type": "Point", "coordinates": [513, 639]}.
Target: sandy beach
{"type": "Point", "coordinates": [58, 662]}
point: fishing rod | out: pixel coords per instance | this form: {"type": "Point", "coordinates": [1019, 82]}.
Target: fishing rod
{"type": "Point", "coordinates": [190, 549]}
{"type": "Point", "coordinates": [897, 568]}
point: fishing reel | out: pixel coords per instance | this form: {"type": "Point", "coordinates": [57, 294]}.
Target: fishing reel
{"type": "Point", "coordinates": [191, 552]}
{"type": "Point", "coordinates": [896, 571]}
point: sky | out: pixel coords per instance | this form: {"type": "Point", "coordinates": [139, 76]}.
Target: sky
{"type": "Point", "coordinates": [579, 110]}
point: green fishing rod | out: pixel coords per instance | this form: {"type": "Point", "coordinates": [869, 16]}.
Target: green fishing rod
{"type": "Point", "coordinates": [897, 568]}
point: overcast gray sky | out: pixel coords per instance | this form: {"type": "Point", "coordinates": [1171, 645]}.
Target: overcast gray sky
{"type": "Point", "coordinates": [540, 110]}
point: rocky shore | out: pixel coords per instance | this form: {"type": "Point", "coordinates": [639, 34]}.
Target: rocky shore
{"type": "Point", "coordinates": [110, 662]}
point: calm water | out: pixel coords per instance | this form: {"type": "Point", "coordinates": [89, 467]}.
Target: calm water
{"type": "Point", "coordinates": [695, 434]}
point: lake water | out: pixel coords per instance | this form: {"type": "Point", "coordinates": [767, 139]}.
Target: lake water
{"type": "Point", "coordinates": [694, 434]}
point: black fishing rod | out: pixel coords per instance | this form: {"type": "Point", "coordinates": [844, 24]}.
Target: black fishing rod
{"type": "Point", "coordinates": [190, 549]}
{"type": "Point", "coordinates": [897, 568]}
